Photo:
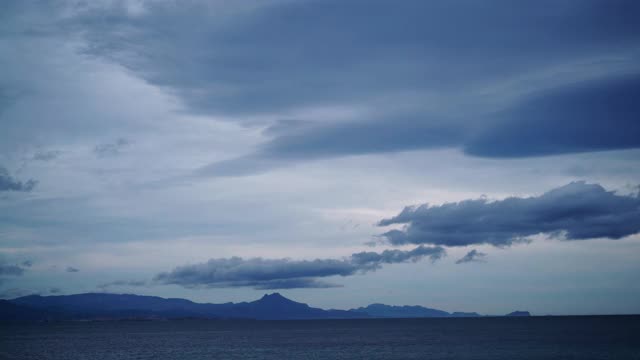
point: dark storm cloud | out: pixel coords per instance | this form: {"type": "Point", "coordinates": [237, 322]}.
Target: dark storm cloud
{"type": "Point", "coordinates": [350, 138]}
{"type": "Point", "coordinates": [272, 57]}
{"type": "Point", "coordinates": [72, 269]}
{"type": "Point", "coordinates": [575, 211]}
{"type": "Point", "coordinates": [472, 256]}
{"type": "Point", "coordinates": [588, 116]}
{"type": "Point", "coordinates": [8, 183]}
{"type": "Point", "coordinates": [290, 54]}
{"type": "Point", "coordinates": [262, 273]}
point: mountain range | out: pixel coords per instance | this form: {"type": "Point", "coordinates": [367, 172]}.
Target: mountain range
{"type": "Point", "coordinates": [101, 306]}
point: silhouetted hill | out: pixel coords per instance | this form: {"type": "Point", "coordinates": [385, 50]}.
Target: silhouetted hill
{"type": "Point", "coordinates": [388, 311]}
{"type": "Point", "coordinates": [97, 305]}
{"type": "Point", "coordinates": [465, 314]}
{"type": "Point", "coordinates": [14, 312]}
{"type": "Point", "coordinates": [519, 313]}
{"type": "Point", "coordinates": [276, 306]}
{"type": "Point", "coordinates": [125, 306]}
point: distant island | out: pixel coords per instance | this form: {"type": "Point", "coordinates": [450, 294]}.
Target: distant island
{"type": "Point", "coordinates": [101, 306]}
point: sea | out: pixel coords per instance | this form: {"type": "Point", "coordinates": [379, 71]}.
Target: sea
{"type": "Point", "coordinates": [557, 337]}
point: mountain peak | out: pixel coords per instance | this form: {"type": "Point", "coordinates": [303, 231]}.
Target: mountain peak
{"type": "Point", "coordinates": [519, 313]}
{"type": "Point", "coordinates": [274, 298]}
{"type": "Point", "coordinates": [275, 295]}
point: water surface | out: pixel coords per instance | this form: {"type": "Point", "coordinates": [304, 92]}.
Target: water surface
{"type": "Point", "coordinates": [592, 337]}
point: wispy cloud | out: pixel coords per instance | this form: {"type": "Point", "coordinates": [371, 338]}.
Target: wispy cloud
{"type": "Point", "coordinates": [117, 283]}
{"type": "Point", "coordinates": [111, 149]}
{"type": "Point", "coordinates": [12, 270]}
{"type": "Point", "coordinates": [262, 273]}
{"type": "Point", "coordinates": [8, 183]}
{"type": "Point", "coordinates": [472, 256]}
{"type": "Point", "coordinates": [46, 155]}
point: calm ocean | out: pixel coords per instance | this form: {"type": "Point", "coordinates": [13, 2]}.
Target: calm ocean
{"type": "Point", "coordinates": [592, 337]}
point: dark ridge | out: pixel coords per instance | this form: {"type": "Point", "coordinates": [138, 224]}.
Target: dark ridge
{"type": "Point", "coordinates": [127, 306]}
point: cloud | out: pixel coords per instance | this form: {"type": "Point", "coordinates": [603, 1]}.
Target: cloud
{"type": "Point", "coordinates": [110, 149]}
{"type": "Point", "coordinates": [72, 269]}
{"type": "Point", "coordinates": [46, 155]}
{"type": "Point", "coordinates": [588, 116]}
{"type": "Point", "coordinates": [262, 273]}
{"type": "Point", "coordinates": [372, 260]}
{"type": "Point", "coordinates": [575, 211]}
{"type": "Point", "coordinates": [8, 183]}
{"type": "Point", "coordinates": [472, 256]}
{"type": "Point", "coordinates": [411, 46]}
{"type": "Point", "coordinates": [429, 60]}
{"type": "Point", "coordinates": [135, 283]}
{"type": "Point", "coordinates": [11, 270]}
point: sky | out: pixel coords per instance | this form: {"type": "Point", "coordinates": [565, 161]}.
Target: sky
{"type": "Point", "coordinates": [460, 155]}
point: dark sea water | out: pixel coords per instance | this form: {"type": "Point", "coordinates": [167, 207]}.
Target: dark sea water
{"type": "Point", "coordinates": [595, 337]}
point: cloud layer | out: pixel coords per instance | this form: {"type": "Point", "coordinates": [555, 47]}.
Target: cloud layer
{"type": "Point", "coordinates": [576, 211]}
{"type": "Point", "coordinates": [580, 55]}
{"type": "Point", "coordinates": [262, 273]}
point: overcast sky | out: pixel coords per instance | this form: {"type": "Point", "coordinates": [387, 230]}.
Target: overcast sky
{"type": "Point", "coordinates": [461, 155]}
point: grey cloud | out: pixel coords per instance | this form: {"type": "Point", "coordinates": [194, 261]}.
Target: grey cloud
{"type": "Point", "coordinates": [262, 273]}
{"type": "Point", "coordinates": [589, 116]}
{"type": "Point", "coordinates": [110, 149]}
{"type": "Point", "coordinates": [46, 155]}
{"type": "Point", "coordinates": [236, 271]}
{"type": "Point", "coordinates": [575, 211]}
{"type": "Point", "coordinates": [135, 283]}
{"type": "Point", "coordinates": [236, 60]}
{"type": "Point", "coordinates": [403, 133]}
{"type": "Point", "coordinates": [375, 260]}
{"type": "Point", "coordinates": [11, 270]}
{"type": "Point", "coordinates": [297, 283]}
{"type": "Point", "coordinates": [72, 269]}
{"type": "Point", "coordinates": [410, 46]}
{"type": "Point", "coordinates": [55, 290]}
{"type": "Point", "coordinates": [8, 183]}
{"type": "Point", "coordinates": [472, 256]}
{"type": "Point", "coordinates": [414, 48]}
{"type": "Point", "coordinates": [350, 138]}
{"type": "Point", "coordinates": [27, 263]}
